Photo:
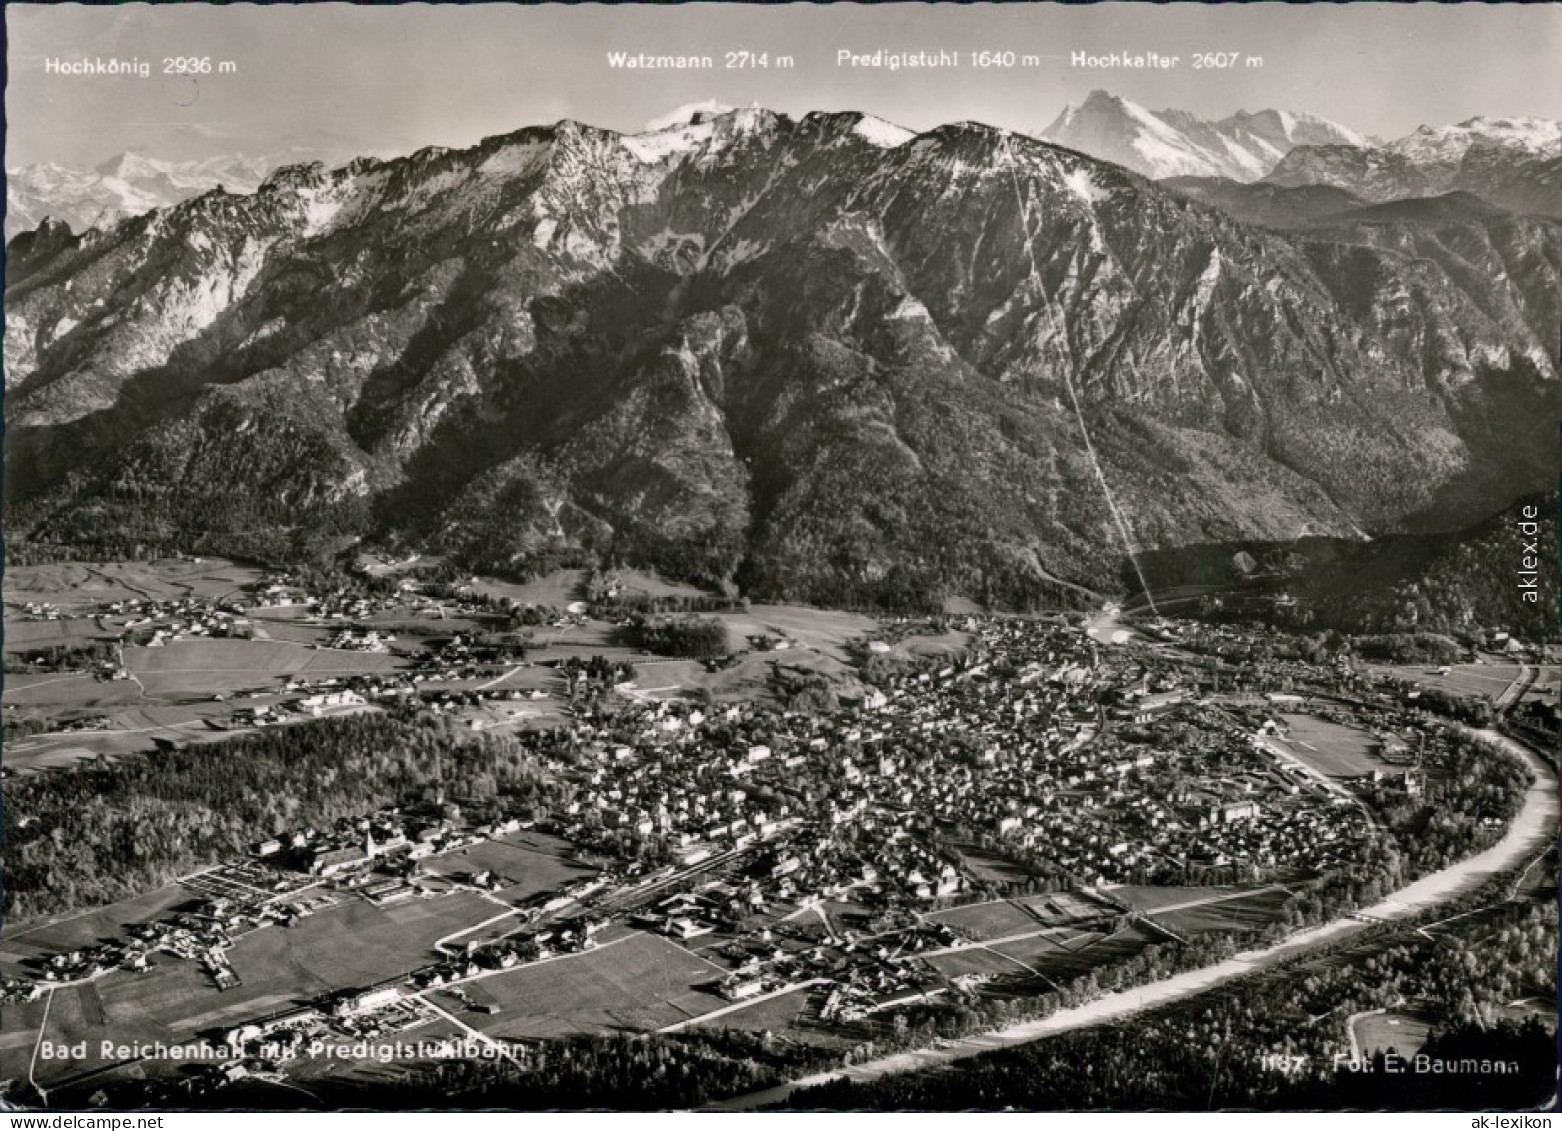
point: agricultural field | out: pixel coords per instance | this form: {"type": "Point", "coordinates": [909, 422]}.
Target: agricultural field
{"type": "Point", "coordinates": [357, 944]}
{"type": "Point", "coordinates": [253, 658]}
{"type": "Point", "coordinates": [81, 691]}
{"type": "Point", "coordinates": [1062, 955]}
{"type": "Point", "coordinates": [1473, 681]}
{"type": "Point", "coordinates": [1548, 684]}
{"type": "Point", "coordinates": [137, 729]}
{"type": "Point", "coordinates": [1404, 1031]}
{"type": "Point", "coordinates": [1250, 912]}
{"type": "Point", "coordinates": [288, 630]}
{"type": "Point", "coordinates": [1062, 908]}
{"type": "Point", "coordinates": [976, 960]}
{"type": "Point", "coordinates": [173, 1002]}
{"type": "Point", "coordinates": [53, 752]}
{"type": "Point", "coordinates": [751, 676]}
{"type": "Point", "coordinates": [526, 677]}
{"type": "Point", "coordinates": [39, 635]}
{"type": "Point", "coordinates": [384, 565]}
{"type": "Point", "coordinates": [560, 588]}
{"type": "Point", "coordinates": [525, 863]}
{"type": "Point", "coordinates": [18, 1035]}
{"type": "Point", "coordinates": [992, 869]}
{"type": "Point", "coordinates": [1479, 681]}
{"type": "Point", "coordinates": [815, 638]}
{"type": "Point", "coordinates": [70, 1014]}
{"type": "Point", "coordinates": [983, 921]}
{"type": "Point", "coordinates": [639, 982]}
{"type": "Point", "coordinates": [779, 1014]}
{"type": "Point", "coordinates": [418, 627]}
{"type": "Point", "coordinates": [177, 1001]}
{"type": "Point", "coordinates": [76, 585]}
{"type": "Point", "coordinates": [350, 945]}
{"type": "Point", "coordinates": [557, 589]}
{"type": "Point", "coordinates": [1331, 749]}
{"type": "Point", "coordinates": [1047, 945]}
{"type": "Point", "coordinates": [1160, 897]}
{"type": "Point", "coordinates": [111, 922]}
{"type": "Point", "coordinates": [170, 692]}
{"type": "Point", "coordinates": [503, 716]}
{"type": "Point", "coordinates": [819, 630]}
{"type": "Point", "coordinates": [639, 581]}
{"type": "Point", "coordinates": [189, 669]}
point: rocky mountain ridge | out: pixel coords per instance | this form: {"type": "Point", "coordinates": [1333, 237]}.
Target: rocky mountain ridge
{"type": "Point", "coordinates": [822, 359]}
{"type": "Point", "coordinates": [128, 184]}
{"type": "Point", "coordinates": [1514, 163]}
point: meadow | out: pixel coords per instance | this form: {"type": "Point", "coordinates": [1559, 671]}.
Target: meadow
{"type": "Point", "coordinates": [1404, 1032]}
{"type": "Point", "coordinates": [1331, 749]}
{"type": "Point", "coordinates": [984, 921]}
{"type": "Point", "coordinates": [76, 585]}
{"type": "Point", "coordinates": [525, 864]}
{"type": "Point", "coordinates": [641, 982]}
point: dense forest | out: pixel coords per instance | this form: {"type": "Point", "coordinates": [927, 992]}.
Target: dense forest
{"type": "Point", "coordinates": [1419, 587]}
{"type": "Point", "coordinates": [623, 1072]}
{"type": "Point", "coordinates": [691, 638]}
{"type": "Point", "coordinates": [106, 830]}
{"type": "Point", "coordinates": [81, 656]}
{"type": "Point", "coordinates": [1476, 783]}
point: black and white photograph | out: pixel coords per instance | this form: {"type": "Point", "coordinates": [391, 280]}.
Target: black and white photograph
{"type": "Point", "coordinates": [735, 558]}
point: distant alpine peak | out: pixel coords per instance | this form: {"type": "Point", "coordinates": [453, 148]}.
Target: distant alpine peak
{"type": "Point", "coordinates": [1299, 126]}
{"type": "Point", "coordinates": [127, 165]}
{"type": "Point", "coordinates": [1539, 134]}
{"type": "Point", "coordinates": [1508, 162]}
{"type": "Point", "coordinates": [1170, 143]}
{"type": "Point", "coordinates": [1099, 98]}
{"type": "Point", "coordinates": [130, 184]}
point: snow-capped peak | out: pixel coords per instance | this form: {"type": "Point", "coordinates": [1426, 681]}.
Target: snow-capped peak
{"type": "Point", "coordinates": [130, 166]}
{"type": "Point", "coordinates": [885, 135]}
{"type": "Point", "coordinates": [687, 114]}
{"type": "Point", "coordinates": [1449, 143]}
{"type": "Point", "coordinates": [703, 128]}
{"type": "Point", "coordinates": [1168, 143]}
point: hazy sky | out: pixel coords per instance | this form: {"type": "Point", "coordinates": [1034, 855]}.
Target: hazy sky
{"type": "Point", "coordinates": [391, 79]}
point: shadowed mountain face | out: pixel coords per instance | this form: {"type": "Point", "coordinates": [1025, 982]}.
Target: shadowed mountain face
{"type": "Point", "coordinates": [821, 357]}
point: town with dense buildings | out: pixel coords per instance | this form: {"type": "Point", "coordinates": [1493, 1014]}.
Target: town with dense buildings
{"type": "Point", "coordinates": [1034, 801]}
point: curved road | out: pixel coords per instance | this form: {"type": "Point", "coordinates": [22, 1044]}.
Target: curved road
{"type": "Point", "coordinates": [1531, 830]}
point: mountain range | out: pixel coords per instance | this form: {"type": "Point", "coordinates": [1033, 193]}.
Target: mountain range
{"type": "Point", "coordinates": [823, 359]}
{"type": "Point", "coordinates": [1515, 163]}
{"type": "Point", "coordinates": [128, 185]}
{"type": "Point", "coordinates": [1175, 143]}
